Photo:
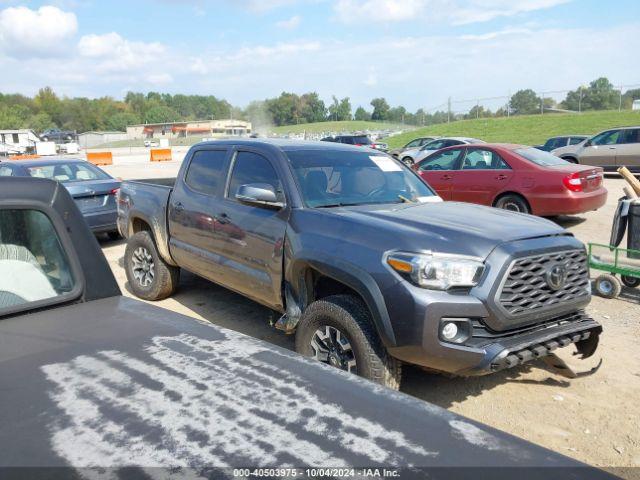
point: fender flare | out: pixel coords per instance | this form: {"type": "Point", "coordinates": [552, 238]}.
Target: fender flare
{"type": "Point", "coordinates": [162, 243]}
{"type": "Point", "coordinates": [348, 274]}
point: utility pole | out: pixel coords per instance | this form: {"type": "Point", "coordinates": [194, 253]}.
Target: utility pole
{"type": "Point", "coordinates": [620, 100]}
{"type": "Point", "coordinates": [509, 105]}
{"type": "Point", "coordinates": [477, 108]}
{"type": "Point", "coordinates": [542, 104]}
{"type": "Point", "coordinates": [449, 110]}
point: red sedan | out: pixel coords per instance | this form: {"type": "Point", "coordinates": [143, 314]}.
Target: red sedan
{"type": "Point", "coordinates": [514, 177]}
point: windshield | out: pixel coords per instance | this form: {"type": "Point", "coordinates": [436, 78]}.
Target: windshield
{"type": "Point", "coordinates": [339, 178]}
{"type": "Point", "coordinates": [68, 172]}
{"type": "Point", "coordinates": [539, 157]}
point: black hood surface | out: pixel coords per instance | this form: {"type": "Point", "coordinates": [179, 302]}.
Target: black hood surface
{"type": "Point", "coordinates": [449, 227]}
{"type": "Point", "coordinates": [117, 382]}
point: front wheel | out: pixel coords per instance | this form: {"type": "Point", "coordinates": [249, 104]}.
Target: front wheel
{"type": "Point", "coordinates": [513, 203]}
{"type": "Point", "coordinates": [149, 276]}
{"type": "Point", "coordinates": [337, 330]}
{"type": "Point", "coordinates": [407, 161]}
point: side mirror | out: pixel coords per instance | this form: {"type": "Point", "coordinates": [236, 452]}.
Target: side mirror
{"type": "Point", "coordinates": [588, 143]}
{"type": "Point", "coordinates": [259, 194]}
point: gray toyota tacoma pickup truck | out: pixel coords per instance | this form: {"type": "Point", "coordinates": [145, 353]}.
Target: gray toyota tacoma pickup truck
{"type": "Point", "coordinates": [96, 385]}
{"type": "Point", "coordinates": [361, 258]}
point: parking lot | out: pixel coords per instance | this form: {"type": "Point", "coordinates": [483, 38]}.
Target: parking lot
{"type": "Point", "coordinates": [593, 418]}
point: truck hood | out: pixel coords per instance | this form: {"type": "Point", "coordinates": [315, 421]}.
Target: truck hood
{"type": "Point", "coordinates": [450, 227]}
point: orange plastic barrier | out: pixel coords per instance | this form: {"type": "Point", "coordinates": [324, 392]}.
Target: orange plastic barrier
{"type": "Point", "coordinates": [100, 158]}
{"type": "Point", "coordinates": [23, 157]}
{"type": "Point", "coordinates": [161, 155]}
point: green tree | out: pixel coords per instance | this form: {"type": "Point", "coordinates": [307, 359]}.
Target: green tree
{"type": "Point", "coordinates": [525, 102]}
{"type": "Point", "coordinates": [629, 96]}
{"type": "Point", "coordinates": [362, 115]}
{"type": "Point", "coordinates": [312, 108]}
{"type": "Point", "coordinates": [40, 122]}
{"type": "Point", "coordinates": [380, 109]}
{"type": "Point", "coordinates": [48, 102]}
{"type": "Point", "coordinates": [283, 109]}
{"type": "Point", "coordinates": [161, 114]}
{"type": "Point", "coordinates": [118, 122]}
{"type": "Point", "coordinates": [599, 95]}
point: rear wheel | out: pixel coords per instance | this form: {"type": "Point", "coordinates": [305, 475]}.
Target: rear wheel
{"type": "Point", "coordinates": [337, 330]}
{"type": "Point", "coordinates": [407, 161]}
{"type": "Point", "coordinates": [607, 286]}
{"type": "Point", "coordinates": [570, 159]}
{"type": "Point", "coordinates": [149, 276]}
{"type": "Point", "coordinates": [631, 282]}
{"type": "Point", "coordinates": [114, 235]}
{"type": "Point", "coordinates": [513, 203]}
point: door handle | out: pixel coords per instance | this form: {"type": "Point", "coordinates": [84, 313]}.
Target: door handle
{"type": "Point", "coordinates": [223, 218]}
{"type": "Point", "coordinates": [501, 177]}
{"type": "Point", "coordinates": [612, 148]}
{"type": "Point", "coordinates": [178, 207]}
{"type": "Point", "coordinates": [447, 177]}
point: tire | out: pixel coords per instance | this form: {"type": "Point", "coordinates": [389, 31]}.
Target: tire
{"type": "Point", "coordinates": [114, 235]}
{"type": "Point", "coordinates": [366, 355]}
{"type": "Point", "coordinates": [513, 203]}
{"type": "Point", "coordinates": [571, 160]}
{"type": "Point", "coordinates": [159, 280]}
{"type": "Point", "coordinates": [631, 282]}
{"type": "Point", "coordinates": [407, 161]}
{"type": "Point", "coordinates": [608, 286]}
{"type": "Point", "coordinates": [45, 139]}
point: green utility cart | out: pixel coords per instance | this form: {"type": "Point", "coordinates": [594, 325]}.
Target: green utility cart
{"type": "Point", "coordinates": [614, 261]}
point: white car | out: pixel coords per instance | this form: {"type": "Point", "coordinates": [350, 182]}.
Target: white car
{"type": "Point", "coordinates": [415, 155]}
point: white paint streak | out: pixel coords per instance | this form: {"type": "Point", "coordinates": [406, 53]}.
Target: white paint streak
{"type": "Point", "coordinates": [200, 403]}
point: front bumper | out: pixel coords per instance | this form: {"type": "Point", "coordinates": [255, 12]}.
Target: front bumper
{"type": "Point", "coordinates": [499, 339]}
{"type": "Point", "coordinates": [102, 220]}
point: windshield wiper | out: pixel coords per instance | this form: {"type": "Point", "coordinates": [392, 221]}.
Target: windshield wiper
{"type": "Point", "coordinates": [405, 199]}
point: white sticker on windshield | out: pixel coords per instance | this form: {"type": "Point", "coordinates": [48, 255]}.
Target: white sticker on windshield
{"type": "Point", "coordinates": [385, 164]}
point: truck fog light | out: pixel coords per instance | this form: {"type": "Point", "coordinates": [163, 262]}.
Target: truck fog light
{"type": "Point", "coordinates": [449, 331]}
{"type": "Point", "coordinates": [455, 330]}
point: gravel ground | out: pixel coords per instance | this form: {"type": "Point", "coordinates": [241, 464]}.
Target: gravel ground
{"type": "Point", "coordinates": [593, 418]}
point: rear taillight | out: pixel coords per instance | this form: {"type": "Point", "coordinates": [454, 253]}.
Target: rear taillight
{"type": "Point", "coordinates": [114, 191]}
{"type": "Point", "coordinates": [573, 182]}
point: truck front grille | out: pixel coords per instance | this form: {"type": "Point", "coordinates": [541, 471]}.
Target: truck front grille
{"type": "Point", "coordinates": [527, 288]}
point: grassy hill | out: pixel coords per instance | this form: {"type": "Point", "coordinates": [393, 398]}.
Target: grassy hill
{"type": "Point", "coordinates": [526, 129]}
{"type": "Point", "coordinates": [345, 126]}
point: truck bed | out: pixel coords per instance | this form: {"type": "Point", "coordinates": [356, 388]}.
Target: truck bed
{"type": "Point", "coordinates": [164, 182]}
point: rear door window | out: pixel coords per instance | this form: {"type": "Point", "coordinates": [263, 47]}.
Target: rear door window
{"type": "Point", "coordinates": [441, 161]}
{"type": "Point", "coordinates": [205, 173]}
{"type": "Point", "coordinates": [631, 136]}
{"type": "Point", "coordinates": [34, 267]}
{"type": "Point", "coordinates": [482, 159]}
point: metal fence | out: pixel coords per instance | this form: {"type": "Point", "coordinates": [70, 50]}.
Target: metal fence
{"type": "Point", "coordinates": [549, 102]}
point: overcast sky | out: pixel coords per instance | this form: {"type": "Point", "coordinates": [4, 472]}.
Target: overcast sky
{"type": "Point", "coordinates": [413, 52]}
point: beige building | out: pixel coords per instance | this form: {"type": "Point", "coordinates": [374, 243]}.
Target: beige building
{"type": "Point", "coordinates": [195, 128]}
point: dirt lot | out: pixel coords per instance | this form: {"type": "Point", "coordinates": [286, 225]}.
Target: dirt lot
{"type": "Point", "coordinates": [593, 418]}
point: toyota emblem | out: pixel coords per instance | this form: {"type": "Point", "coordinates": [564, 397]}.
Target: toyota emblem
{"type": "Point", "coordinates": [557, 277]}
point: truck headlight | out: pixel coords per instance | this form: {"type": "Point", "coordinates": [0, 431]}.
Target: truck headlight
{"type": "Point", "coordinates": [437, 271]}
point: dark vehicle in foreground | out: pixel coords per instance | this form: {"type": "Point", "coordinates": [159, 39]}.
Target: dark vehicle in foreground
{"type": "Point", "coordinates": [358, 141]}
{"type": "Point", "coordinates": [415, 143]}
{"type": "Point", "coordinates": [58, 136]}
{"type": "Point", "coordinates": [93, 189]}
{"type": "Point", "coordinates": [610, 150]}
{"type": "Point", "coordinates": [95, 384]}
{"type": "Point", "coordinates": [561, 141]}
{"type": "Point", "coordinates": [364, 262]}
{"type": "Point", "coordinates": [514, 177]}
